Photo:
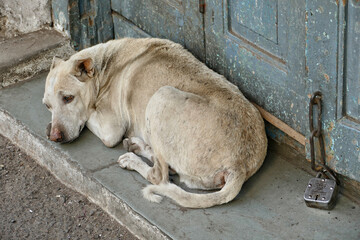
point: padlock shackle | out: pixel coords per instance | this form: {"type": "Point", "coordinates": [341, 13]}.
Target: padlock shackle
{"type": "Point", "coordinates": [329, 173]}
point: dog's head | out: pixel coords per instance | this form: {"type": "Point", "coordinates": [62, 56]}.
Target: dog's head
{"type": "Point", "coordinates": [69, 92]}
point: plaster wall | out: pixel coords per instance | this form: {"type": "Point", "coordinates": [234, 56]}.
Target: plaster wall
{"type": "Point", "coordinates": [19, 16]}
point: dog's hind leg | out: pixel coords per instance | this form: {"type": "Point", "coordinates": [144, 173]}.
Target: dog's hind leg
{"type": "Point", "coordinates": [139, 147]}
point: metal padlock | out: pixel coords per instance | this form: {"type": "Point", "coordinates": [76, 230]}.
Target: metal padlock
{"type": "Point", "coordinates": [321, 193]}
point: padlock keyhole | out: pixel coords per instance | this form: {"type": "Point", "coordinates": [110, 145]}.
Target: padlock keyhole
{"type": "Point", "coordinates": [317, 196]}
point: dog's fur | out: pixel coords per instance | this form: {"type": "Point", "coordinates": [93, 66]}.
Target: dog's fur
{"type": "Point", "coordinates": [170, 108]}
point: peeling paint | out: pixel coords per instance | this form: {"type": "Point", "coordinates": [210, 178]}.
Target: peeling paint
{"type": "Point", "coordinates": [327, 78]}
{"type": "Point", "coordinates": [324, 60]}
{"type": "Point", "coordinates": [320, 9]}
{"type": "Point", "coordinates": [331, 126]}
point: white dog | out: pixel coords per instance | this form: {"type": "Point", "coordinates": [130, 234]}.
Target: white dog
{"type": "Point", "coordinates": [170, 108]}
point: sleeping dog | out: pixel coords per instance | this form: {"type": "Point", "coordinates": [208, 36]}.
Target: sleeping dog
{"type": "Point", "coordinates": [164, 105]}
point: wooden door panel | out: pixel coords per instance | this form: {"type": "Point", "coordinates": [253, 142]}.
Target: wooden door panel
{"type": "Point", "coordinates": [259, 17]}
{"type": "Point", "coordinates": [161, 18]}
{"type": "Point", "coordinates": [332, 69]}
{"type": "Point", "coordinates": [344, 140]}
{"type": "Point", "coordinates": [352, 65]}
{"type": "Point", "coordinates": [124, 28]}
{"type": "Point", "coordinates": [257, 23]}
{"type": "Point", "coordinates": [262, 50]}
{"type": "Point", "coordinates": [88, 22]}
{"type": "Point", "coordinates": [177, 20]}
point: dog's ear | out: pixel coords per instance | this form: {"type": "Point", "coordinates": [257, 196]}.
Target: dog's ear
{"type": "Point", "coordinates": [56, 60]}
{"type": "Point", "coordinates": [84, 69]}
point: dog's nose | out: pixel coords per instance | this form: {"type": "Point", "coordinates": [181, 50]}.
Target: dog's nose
{"type": "Point", "coordinates": [56, 135]}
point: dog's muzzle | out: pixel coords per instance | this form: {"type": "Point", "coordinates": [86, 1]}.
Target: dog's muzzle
{"type": "Point", "coordinates": [54, 134]}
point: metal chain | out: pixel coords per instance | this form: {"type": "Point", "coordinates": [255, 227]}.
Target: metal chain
{"type": "Point", "coordinates": [316, 133]}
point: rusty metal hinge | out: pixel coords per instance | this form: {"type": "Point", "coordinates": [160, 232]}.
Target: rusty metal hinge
{"type": "Point", "coordinates": [202, 6]}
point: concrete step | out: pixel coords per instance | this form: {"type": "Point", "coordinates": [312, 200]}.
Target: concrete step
{"type": "Point", "coordinates": [27, 55]}
{"type": "Point", "coordinates": [270, 205]}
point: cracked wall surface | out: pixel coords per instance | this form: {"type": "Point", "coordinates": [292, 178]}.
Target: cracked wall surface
{"type": "Point", "coordinates": [18, 16]}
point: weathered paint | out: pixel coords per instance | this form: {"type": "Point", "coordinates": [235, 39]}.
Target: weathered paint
{"type": "Point", "coordinates": [259, 17]}
{"type": "Point", "coordinates": [90, 22]}
{"type": "Point", "coordinates": [270, 71]}
{"type": "Point", "coordinates": [352, 71]}
{"type": "Point", "coordinates": [163, 19]}
{"type": "Point", "coordinates": [125, 28]}
{"type": "Point", "coordinates": [177, 20]}
{"type": "Point", "coordinates": [333, 61]}
{"type": "Point", "coordinates": [60, 15]}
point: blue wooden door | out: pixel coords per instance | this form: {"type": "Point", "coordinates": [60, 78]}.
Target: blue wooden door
{"type": "Point", "coordinates": [280, 52]}
{"type": "Point", "coordinates": [178, 20]}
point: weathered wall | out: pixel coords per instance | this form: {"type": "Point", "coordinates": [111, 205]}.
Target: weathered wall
{"type": "Point", "coordinates": [19, 16]}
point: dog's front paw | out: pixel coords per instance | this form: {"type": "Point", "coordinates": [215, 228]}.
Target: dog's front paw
{"type": "Point", "coordinates": [126, 160]}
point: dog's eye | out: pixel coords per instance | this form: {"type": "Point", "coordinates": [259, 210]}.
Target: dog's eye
{"type": "Point", "coordinates": [48, 107]}
{"type": "Point", "coordinates": [68, 99]}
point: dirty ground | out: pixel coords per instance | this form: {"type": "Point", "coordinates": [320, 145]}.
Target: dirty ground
{"type": "Point", "coordinates": [34, 205]}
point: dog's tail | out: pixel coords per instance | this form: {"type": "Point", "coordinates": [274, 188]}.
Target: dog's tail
{"type": "Point", "coordinates": [231, 188]}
